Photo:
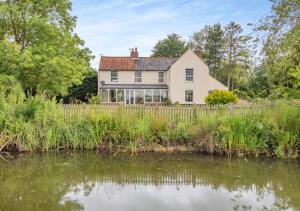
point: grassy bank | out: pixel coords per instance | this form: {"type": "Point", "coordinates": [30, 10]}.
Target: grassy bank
{"type": "Point", "coordinates": [38, 124]}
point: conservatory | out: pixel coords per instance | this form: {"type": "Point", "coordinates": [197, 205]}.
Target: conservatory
{"type": "Point", "coordinates": [133, 96]}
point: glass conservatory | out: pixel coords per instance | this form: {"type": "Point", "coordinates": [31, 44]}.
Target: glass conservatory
{"type": "Point", "coordinates": [133, 96]}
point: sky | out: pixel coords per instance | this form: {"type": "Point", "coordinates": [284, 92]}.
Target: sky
{"type": "Point", "coordinates": [112, 27]}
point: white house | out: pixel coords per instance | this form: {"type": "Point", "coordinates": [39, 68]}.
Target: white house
{"type": "Point", "coordinates": [139, 80]}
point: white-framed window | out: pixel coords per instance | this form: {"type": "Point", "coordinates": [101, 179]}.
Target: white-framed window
{"type": "Point", "coordinates": [114, 76]}
{"type": "Point", "coordinates": [156, 95]}
{"type": "Point", "coordinates": [148, 95]}
{"type": "Point", "coordinates": [138, 76]}
{"type": "Point", "coordinates": [189, 74]}
{"type": "Point", "coordinates": [189, 96]}
{"type": "Point", "coordinates": [161, 77]}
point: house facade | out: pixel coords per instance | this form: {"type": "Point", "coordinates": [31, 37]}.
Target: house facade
{"type": "Point", "coordinates": [147, 80]}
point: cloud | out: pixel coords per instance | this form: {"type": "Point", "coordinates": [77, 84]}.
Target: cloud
{"type": "Point", "coordinates": [112, 27]}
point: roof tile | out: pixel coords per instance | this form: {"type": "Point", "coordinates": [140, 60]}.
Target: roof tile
{"type": "Point", "coordinates": [141, 63]}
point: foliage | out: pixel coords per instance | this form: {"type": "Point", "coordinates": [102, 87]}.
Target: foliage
{"type": "Point", "coordinates": [94, 99]}
{"type": "Point", "coordinates": [37, 123]}
{"type": "Point", "coordinates": [226, 51]}
{"type": "Point", "coordinates": [236, 53]}
{"type": "Point", "coordinates": [39, 48]}
{"type": "Point", "coordinates": [209, 44]}
{"type": "Point", "coordinates": [172, 46]}
{"type": "Point", "coordinates": [10, 87]}
{"type": "Point", "coordinates": [281, 30]}
{"type": "Point", "coordinates": [217, 97]}
{"type": "Point", "coordinates": [256, 85]}
{"type": "Point", "coordinates": [84, 91]}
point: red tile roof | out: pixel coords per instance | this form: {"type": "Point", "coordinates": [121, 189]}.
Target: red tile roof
{"type": "Point", "coordinates": [140, 63]}
{"type": "Point", "coordinates": [116, 63]}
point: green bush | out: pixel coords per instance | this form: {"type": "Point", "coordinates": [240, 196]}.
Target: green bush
{"type": "Point", "coordinates": [217, 97]}
{"type": "Point", "coordinates": [94, 99]}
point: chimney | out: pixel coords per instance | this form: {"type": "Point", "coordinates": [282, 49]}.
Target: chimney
{"type": "Point", "coordinates": [134, 53]}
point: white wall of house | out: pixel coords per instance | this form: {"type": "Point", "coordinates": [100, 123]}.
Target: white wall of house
{"type": "Point", "coordinates": [175, 78]}
{"type": "Point", "coordinates": [201, 85]}
{"type": "Point", "coordinates": [128, 77]}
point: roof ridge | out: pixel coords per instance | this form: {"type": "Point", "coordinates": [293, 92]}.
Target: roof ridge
{"type": "Point", "coordinates": [148, 57]}
{"type": "Point", "coordinates": [142, 63]}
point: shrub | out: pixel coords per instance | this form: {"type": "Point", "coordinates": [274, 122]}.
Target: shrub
{"type": "Point", "coordinates": [168, 102]}
{"type": "Point", "coordinates": [94, 99]}
{"type": "Point", "coordinates": [221, 97]}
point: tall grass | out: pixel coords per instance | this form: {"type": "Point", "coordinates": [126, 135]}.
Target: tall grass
{"type": "Point", "coordinates": [38, 124]}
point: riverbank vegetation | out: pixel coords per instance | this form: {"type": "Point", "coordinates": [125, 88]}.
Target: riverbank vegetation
{"type": "Point", "coordinates": [39, 124]}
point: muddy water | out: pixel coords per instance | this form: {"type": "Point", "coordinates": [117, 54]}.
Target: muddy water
{"type": "Point", "coordinates": [90, 181]}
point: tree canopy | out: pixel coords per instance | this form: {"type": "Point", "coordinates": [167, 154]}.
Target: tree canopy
{"type": "Point", "coordinates": [281, 48]}
{"type": "Point", "coordinates": [172, 46]}
{"type": "Point", "coordinates": [209, 43]}
{"type": "Point", "coordinates": [38, 46]}
{"type": "Point", "coordinates": [84, 91]}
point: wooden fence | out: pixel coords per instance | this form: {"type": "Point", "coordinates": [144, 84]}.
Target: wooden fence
{"type": "Point", "coordinates": [169, 113]}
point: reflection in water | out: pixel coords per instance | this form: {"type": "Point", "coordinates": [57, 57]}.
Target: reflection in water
{"type": "Point", "coordinates": [88, 181]}
{"type": "Point", "coordinates": [167, 197]}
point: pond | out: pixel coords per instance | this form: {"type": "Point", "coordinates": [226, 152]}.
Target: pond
{"type": "Point", "coordinates": [175, 181]}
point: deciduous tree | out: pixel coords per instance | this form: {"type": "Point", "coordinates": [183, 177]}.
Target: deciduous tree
{"type": "Point", "coordinates": [281, 33]}
{"type": "Point", "coordinates": [172, 46]}
{"type": "Point", "coordinates": [38, 45]}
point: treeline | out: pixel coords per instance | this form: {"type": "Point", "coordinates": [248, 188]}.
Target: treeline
{"type": "Point", "coordinates": [224, 49]}
{"type": "Point", "coordinates": [264, 63]}
{"type": "Point", "coordinates": [38, 47]}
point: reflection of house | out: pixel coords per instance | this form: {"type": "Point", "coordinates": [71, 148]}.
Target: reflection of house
{"type": "Point", "coordinates": [138, 80]}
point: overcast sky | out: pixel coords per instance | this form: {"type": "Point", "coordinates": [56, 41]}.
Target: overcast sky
{"type": "Point", "coordinates": [111, 27]}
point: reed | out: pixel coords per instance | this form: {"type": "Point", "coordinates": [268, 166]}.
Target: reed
{"type": "Point", "coordinates": [40, 124]}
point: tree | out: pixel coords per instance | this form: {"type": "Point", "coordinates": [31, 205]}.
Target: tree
{"type": "Point", "coordinates": [172, 46]}
{"type": "Point", "coordinates": [236, 53]}
{"type": "Point", "coordinates": [47, 55]}
{"type": "Point", "coordinates": [214, 49]}
{"type": "Point", "coordinates": [84, 91]}
{"type": "Point", "coordinates": [256, 84]}
{"type": "Point", "coordinates": [281, 48]}
{"type": "Point", "coordinates": [209, 44]}
{"type": "Point", "coordinates": [197, 41]}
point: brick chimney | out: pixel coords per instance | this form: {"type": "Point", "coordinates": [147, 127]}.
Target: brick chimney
{"type": "Point", "coordinates": [134, 53]}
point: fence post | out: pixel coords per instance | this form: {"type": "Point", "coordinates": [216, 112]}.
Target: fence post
{"type": "Point", "coordinates": [231, 108]}
{"type": "Point", "coordinates": [195, 113]}
{"type": "Point", "coordinates": [85, 110]}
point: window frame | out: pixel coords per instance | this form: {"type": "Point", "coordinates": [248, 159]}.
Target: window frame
{"type": "Point", "coordinates": [113, 95]}
{"type": "Point", "coordinates": [161, 77]}
{"type": "Point", "coordinates": [148, 95]}
{"type": "Point", "coordinates": [137, 78]}
{"type": "Point", "coordinates": [189, 74]}
{"type": "Point", "coordinates": [189, 99]}
{"type": "Point", "coordinates": [139, 95]}
{"type": "Point", "coordinates": [114, 78]}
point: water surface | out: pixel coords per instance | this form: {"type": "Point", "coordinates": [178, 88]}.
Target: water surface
{"type": "Point", "coordinates": [90, 181]}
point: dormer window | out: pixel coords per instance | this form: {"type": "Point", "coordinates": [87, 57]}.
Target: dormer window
{"type": "Point", "coordinates": [114, 76]}
{"type": "Point", "coordinates": [138, 76]}
{"type": "Point", "coordinates": [189, 74]}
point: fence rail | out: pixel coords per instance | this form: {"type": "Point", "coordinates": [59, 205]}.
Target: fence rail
{"type": "Point", "coordinates": [169, 113]}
